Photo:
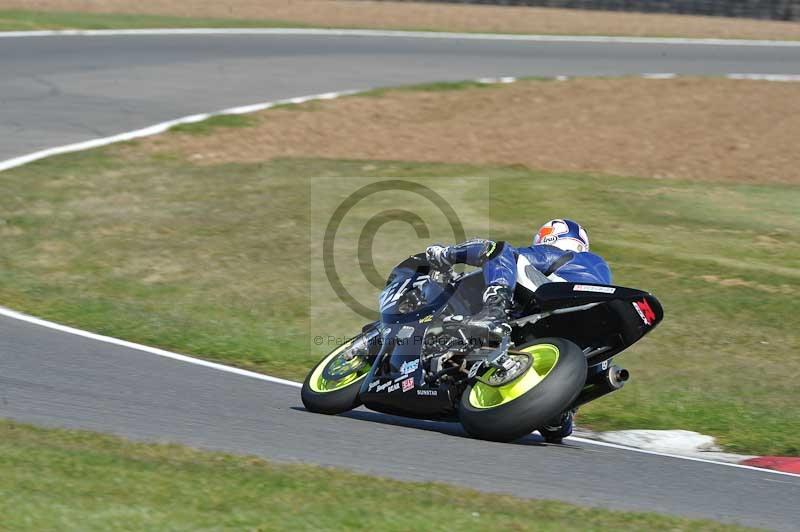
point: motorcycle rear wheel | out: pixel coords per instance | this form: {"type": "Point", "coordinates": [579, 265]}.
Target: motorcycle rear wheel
{"type": "Point", "coordinates": [332, 386]}
{"type": "Point", "coordinates": [508, 412]}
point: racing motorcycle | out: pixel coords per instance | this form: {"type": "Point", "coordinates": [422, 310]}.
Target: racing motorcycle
{"type": "Point", "coordinates": [421, 359]}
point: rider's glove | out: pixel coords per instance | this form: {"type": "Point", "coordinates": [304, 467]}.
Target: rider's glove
{"type": "Point", "coordinates": [438, 256]}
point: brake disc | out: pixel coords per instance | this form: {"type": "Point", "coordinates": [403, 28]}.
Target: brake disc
{"type": "Point", "coordinates": [340, 368]}
{"type": "Point", "coordinates": [501, 376]}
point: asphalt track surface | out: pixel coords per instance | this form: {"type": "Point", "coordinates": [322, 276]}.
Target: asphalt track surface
{"type": "Point", "coordinates": [58, 90]}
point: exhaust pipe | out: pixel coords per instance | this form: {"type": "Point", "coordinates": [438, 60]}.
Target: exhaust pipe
{"type": "Point", "coordinates": [601, 384]}
{"type": "Point", "coordinates": [617, 376]}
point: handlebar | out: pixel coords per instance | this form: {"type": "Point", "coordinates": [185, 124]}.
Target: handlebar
{"type": "Point", "coordinates": [441, 275]}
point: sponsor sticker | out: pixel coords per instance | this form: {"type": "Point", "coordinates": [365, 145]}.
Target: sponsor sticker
{"type": "Point", "coordinates": [408, 384]}
{"type": "Point", "coordinates": [393, 387]}
{"type": "Point", "coordinates": [645, 312]}
{"type": "Point", "coordinates": [405, 332]}
{"type": "Point", "coordinates": [409, 366]}
{"type": "Point", "coordinates": [591, 288]}
{"type": "Point", "coordinates": [428, 392]}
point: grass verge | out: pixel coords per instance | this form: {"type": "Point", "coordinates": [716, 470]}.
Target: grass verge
{"type": "Point", "coordinates": [438, 86]}
{"type": "Point", "coordinates": [208, 126]}
{"type": "Point", "coordinates": [69, 480]}
{"type": "Point", "coordinates": [22, 20]}
{"type": "Point", "coordinates": [215, 260]}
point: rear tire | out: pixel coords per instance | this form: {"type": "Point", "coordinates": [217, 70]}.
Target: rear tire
{"type": "Point", "coordinates": [494, 414]}
{"type": "Point", "coordinates": [326, 396]}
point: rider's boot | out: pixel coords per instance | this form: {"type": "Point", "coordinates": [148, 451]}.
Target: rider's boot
{"type": "Point", "coordinates": [559, 428]}
{"type": "Point", "coordinates": [494, 314]}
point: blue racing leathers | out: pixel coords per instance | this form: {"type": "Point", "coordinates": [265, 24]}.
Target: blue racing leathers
{"type": "Point", "coordinates": [499, 262]}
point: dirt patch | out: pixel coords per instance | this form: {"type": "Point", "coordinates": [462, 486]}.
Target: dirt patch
{"type": "Point", "coordinates": [682, 128]}
{"type": "Point", "coordinates": [404, 15]}
{"type": "Point", "coordinates": [741, 283]}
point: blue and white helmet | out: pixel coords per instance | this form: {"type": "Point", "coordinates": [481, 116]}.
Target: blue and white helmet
{"type": "Point", "coordinates": [563, 234]}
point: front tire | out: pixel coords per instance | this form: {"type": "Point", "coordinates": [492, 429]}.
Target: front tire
{"type": "Point", "coordinates": [323, 393]}
{"type": "Point", "coordinates": [510, 411]}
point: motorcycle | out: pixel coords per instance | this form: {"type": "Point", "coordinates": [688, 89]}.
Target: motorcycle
{"type": "Point", "coordinates": [421, 359]}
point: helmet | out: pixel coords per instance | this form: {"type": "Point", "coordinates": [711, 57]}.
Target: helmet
{"type": "Point", "coordinates": [563, 234]}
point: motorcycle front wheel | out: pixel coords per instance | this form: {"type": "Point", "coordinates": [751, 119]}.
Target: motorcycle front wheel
{"type": "Point", "coordinates": [332, 386]}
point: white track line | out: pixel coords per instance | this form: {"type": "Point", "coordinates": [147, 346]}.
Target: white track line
{"type": "Point", "coordinates": [681, 457]}
{"type": "Point", "coordinates": [163, 126]}
{"type": "Point", "coordinates": [765, 77]}
{"type": "Point", "coordinates": [659, 75]}
{"type": "Point", "coordinates": [8, 313]}
{"type": "Point", "coordinates": [592, 39]}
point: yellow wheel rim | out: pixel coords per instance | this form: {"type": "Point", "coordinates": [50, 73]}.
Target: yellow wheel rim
{"type": "Point", "coordinates": [545, 357]}
{"type": "Point", "coordinates": [358, 365]}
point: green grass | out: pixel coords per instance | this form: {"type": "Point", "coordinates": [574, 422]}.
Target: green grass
{"type": "Point", "coordinates": [208, 126]}
{"type": "Point", "coordinates": [217, 261]}
{"type": "Point", "coordinates": [69, 480]}
{"type": "Point", "coordinates": [438, 86]}
{"type": "Point", "coordinates": [21, 20]}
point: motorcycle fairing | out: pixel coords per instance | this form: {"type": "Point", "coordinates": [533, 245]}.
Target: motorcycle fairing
{"type": "Point", "coordinates": [396, 384]}
{"type": "Point", "coordinates": [408, 280]}
{"type": "Point", "coordinates": [593, 316]}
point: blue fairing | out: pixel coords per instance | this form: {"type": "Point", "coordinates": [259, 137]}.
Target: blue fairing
{"type": "Point", "coordinates": [408, 280]}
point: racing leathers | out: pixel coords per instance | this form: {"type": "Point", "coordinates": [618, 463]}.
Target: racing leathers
{"type": "Point", "coordinates": [499, 261]}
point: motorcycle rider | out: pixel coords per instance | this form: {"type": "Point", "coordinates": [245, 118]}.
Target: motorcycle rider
{"type": "Point", "coordinates": [560, 252]}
